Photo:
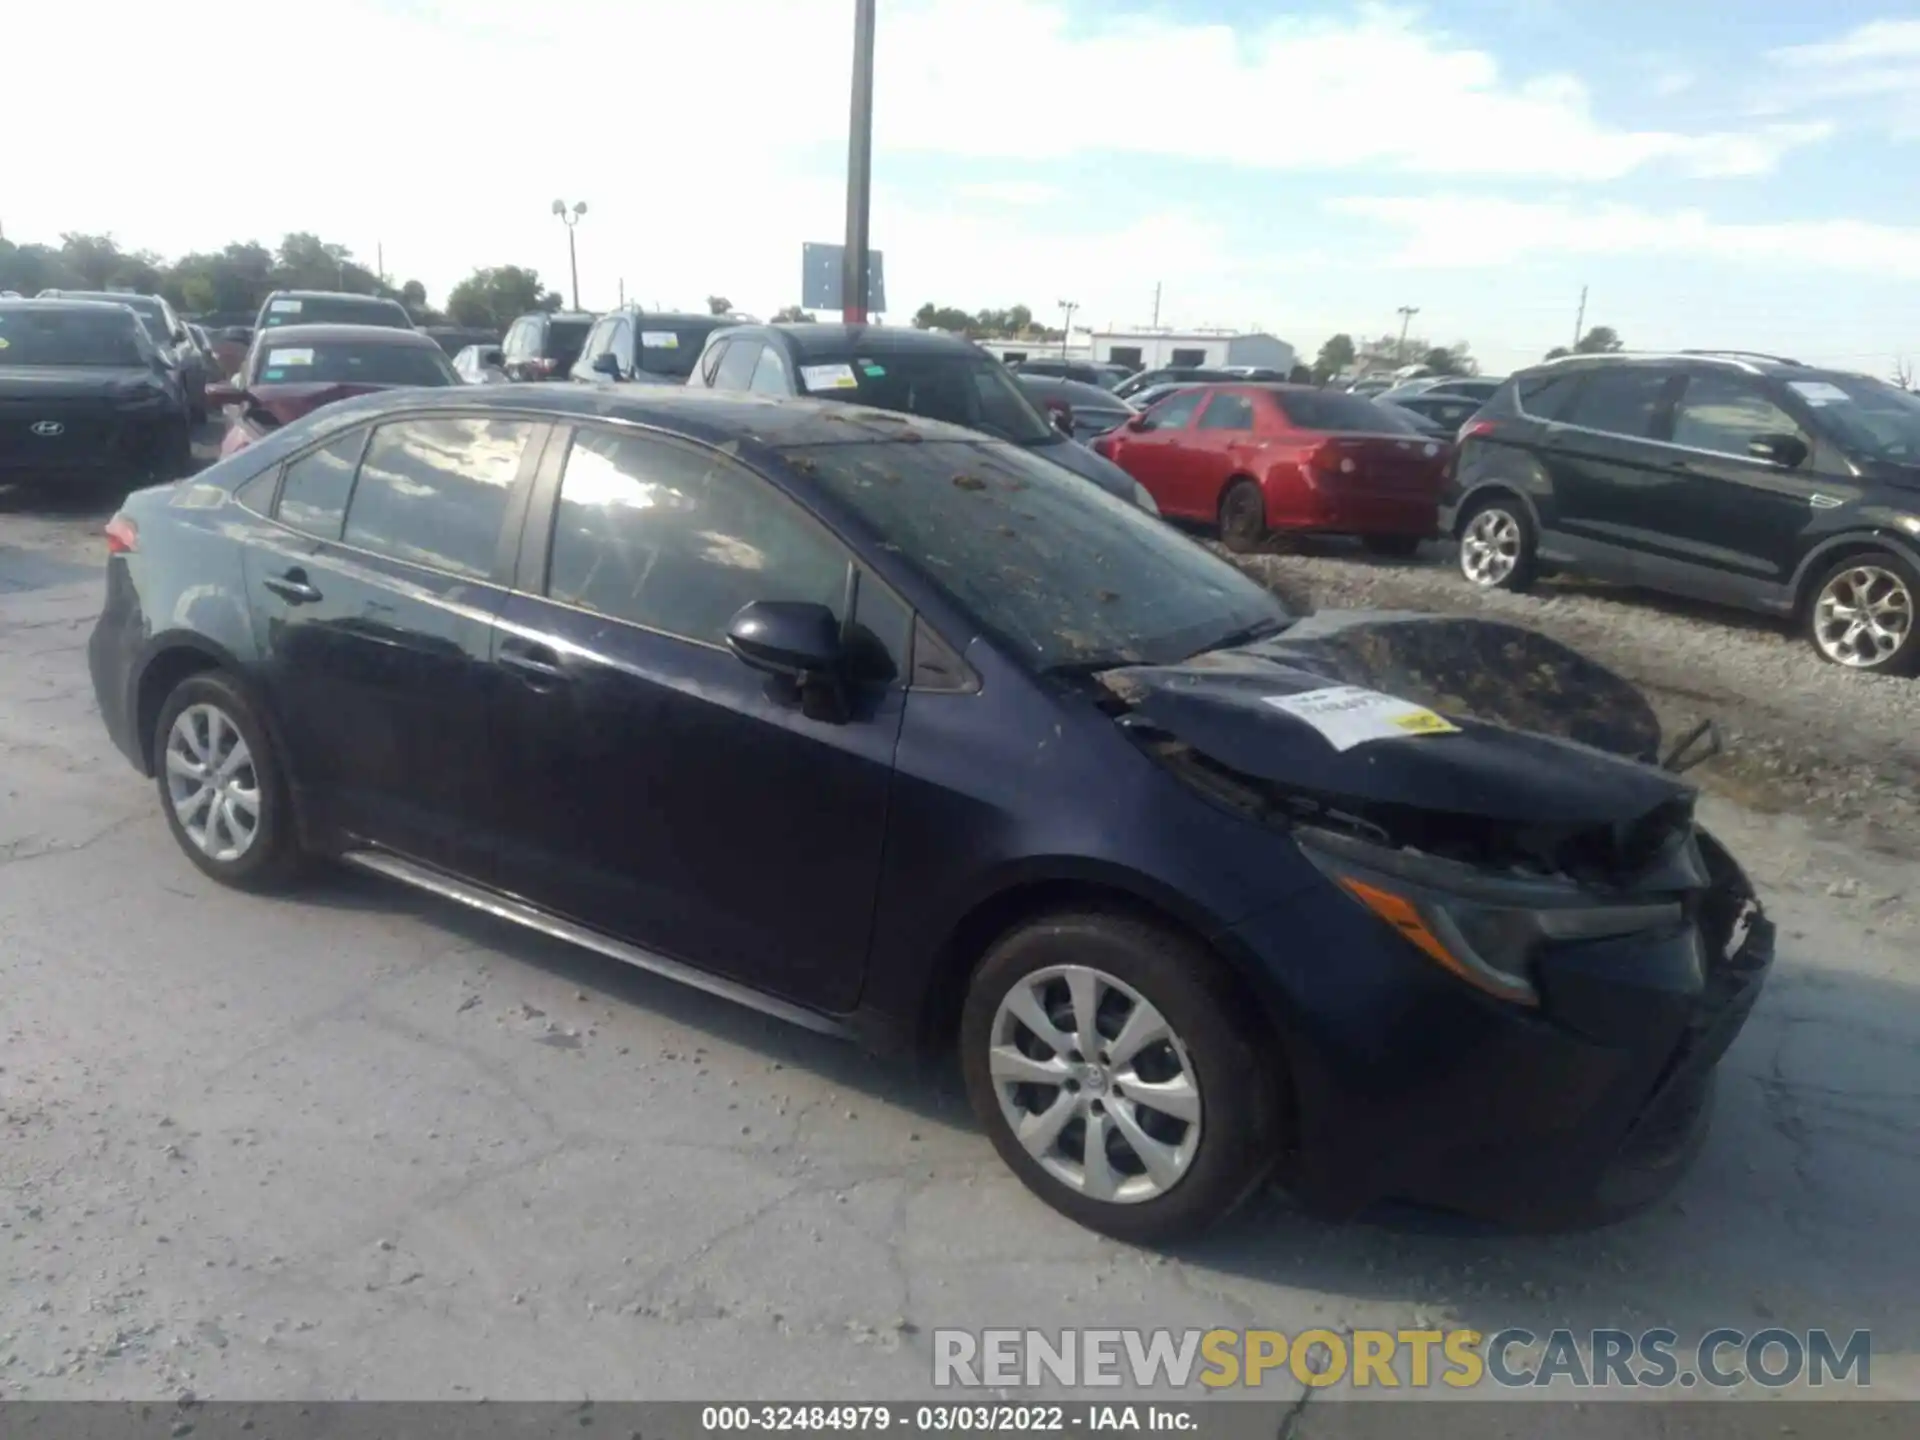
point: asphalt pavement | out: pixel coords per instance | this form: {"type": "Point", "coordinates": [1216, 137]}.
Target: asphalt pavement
{"type": "Point", "coordinates": [355, 1143]}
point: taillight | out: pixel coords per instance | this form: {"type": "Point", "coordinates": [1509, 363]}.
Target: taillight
{"type": "Point", "coordinates": [1474, 428]}
{"type": "Point", "coordinates": [1330, 459]}
{"type": "Point", "coordinates": [123, 536]}
{"type": "Point", "coordinates": [545, 364]}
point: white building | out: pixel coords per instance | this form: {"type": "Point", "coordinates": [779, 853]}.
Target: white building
{"type": "Point", "coordinates": [1151, 349]}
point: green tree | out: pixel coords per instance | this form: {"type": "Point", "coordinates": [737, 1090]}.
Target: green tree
{"type": "Point", "coordinates": [1336, 357]}
{"type": "Point", "coordinates": [792, 315]}
{"type": "Point", "coordinates": [414, 295]}
{"type": "Point", "coordinates": [719, 305]}
{"type": "Point", "coordinates": [1600, 340]}
{"type": "Point", "coordinates": [946, 317]}
{"type": "Point", "coordinates": [1558, 352]}
{"type": "Point", "coordinates": [493, 298]}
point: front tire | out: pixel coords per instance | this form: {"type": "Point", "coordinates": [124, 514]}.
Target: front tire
{"type": "Point", "coordinates": [1861, 615]}
{"type": "Point", "coordinates": [1119, 1075]}
{"type": "Point", "coordinates": [1243, 517]}
{"type": "Point", "coordinates": [1499, 548]}
{"type": "Point", "coordinates": [221, 785]}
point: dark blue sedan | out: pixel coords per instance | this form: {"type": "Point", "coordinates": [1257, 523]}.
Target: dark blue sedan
{"type": "Point", "coordinates": [898, 730]}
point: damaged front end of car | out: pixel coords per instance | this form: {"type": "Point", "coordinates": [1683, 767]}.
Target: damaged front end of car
{"type": "Point", "coordinates": [1523, 846]}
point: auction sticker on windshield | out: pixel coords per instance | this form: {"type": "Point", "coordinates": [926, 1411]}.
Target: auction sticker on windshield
{"type": "Point", "coordinates": [1819, 392]}
{"type": "Point", "coordinates": [284, 307]}
{"type": "Point", "coordinates": [1347, 715]}
{"type": "Point", "coordinates": [659, 340]}
{"type": "Point", "coordinates": [828, 377]}
{"type": "Point", "coordinates": [289, 357]}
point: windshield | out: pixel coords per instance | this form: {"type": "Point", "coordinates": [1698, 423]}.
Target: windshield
{"type": "Point", "coordinates": [353, 363]}
{"type": "Point", "coordinates": [971, 390]}
{"type": "Point", "coordinates": [1871, 419]}
{"type": "Point", "coordinates": [337, 310]}
{"type": "Point", "coordinates": [69, 337]}
{"type": "Point", "coordinates": [1336, 411]}
{"type": "Point", "coordinates": [670, 347]}
{"type": "Point", "coordinates": [1059, 571]}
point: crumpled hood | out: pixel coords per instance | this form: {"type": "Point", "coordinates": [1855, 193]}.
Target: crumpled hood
{"type": "Point", "coordinates": [1535, 721]}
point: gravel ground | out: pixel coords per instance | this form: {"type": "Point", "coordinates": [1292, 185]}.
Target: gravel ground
{"type": "Point", "coordinates": [1801, 735]}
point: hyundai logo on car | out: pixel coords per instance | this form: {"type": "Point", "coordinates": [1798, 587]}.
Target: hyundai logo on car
{"type": "Point", "coordinates": [49, 428]}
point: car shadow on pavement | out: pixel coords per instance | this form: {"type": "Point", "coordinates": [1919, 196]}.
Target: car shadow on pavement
{"type": "Point", "coordinates": [928, 1088]}
{"type": "Point", "coordinates": [1797, 1213]}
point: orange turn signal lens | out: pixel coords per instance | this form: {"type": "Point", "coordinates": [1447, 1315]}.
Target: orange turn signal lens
{"type": "Point", "coordinates": [1406, 918]}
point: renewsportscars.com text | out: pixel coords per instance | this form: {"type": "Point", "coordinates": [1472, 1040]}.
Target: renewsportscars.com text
{"type": "Point", "coordinates": [1393, 1359]}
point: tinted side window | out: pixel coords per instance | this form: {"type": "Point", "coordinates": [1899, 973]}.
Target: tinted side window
{"type": "Point", "coordinates": [711, 361]}
{"type": "Point", "coordinates": [1621, 400]}
{"type": "Point", "coordinates": [434, 492]}
{"type": "Point", "coordinates": [678, 539]}
{"type": "Point", "coordinates": [769, 374]}
{"type": "Point", "coordinates": [1545, 396]}
{"type": "Point", "coordinates": [313, 496]}
{"type": "Point", "coordinates": [1228, 412]}
{"type": "Point", "coordinates": [1175, 411]}
{"type": "Point", "coordinates": [737, 365]}
{"type": "Point", "coordinates": [1724, 413]}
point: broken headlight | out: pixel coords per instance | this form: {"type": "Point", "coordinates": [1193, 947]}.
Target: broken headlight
{"type": "Point", "coordinates": [1483, 926]}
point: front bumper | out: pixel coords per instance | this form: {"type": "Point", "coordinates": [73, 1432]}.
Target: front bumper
{"type": "Point", "coordinates": [1411, 1087]}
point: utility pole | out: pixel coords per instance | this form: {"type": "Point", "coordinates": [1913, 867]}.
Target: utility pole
{"type": "Point", "coordinates": [1156, 306]}
{"type": "Point", "coordinates": [1406, 314]}
{"type": "Point", "coordinates": [1580, 318]}
{"type": "Point", "coordinates": [380, 260]}
{"type": "Point", "coordinates": [570, 217]}
{"type": "Point", "coordinates": [623, 292]}
{"type": "Point", "coordinates": [1066, 330]}
{"type": "Point", "coordinates": [856, 262]}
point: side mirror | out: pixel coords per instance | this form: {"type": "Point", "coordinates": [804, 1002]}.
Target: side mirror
{"type": "Point", "coordinates": [608, 364]}
{"type": "Point", "coordinates": [1787, 450]}
{"type": "Point", "coordinates": [225, 392]}
{"type": "Point", "coordinates": [799, 643]}
{"type": "Point", "coordinates": [1139, 422]}
{"type": "Point", "coordinates": [1061, 414]}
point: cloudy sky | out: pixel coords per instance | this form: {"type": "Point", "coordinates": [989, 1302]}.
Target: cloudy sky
{"type": "Point", "coordinates": [1739, 175]}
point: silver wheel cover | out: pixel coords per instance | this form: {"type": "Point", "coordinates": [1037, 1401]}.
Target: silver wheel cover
{"type": "Point", "coordinates": [1862, 617]}
{"type": "Point", "coordinates": [1490, 548]}
{"type": "Point", "coordinates": [212, 784]}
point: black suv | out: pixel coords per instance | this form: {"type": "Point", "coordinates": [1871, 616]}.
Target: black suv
{"type": "Point", "coordinates": [543, 345]}
{"type": "Point", "coordinates": [1746, 479]}
{"type": "Point", "coordinates": [645, 346]}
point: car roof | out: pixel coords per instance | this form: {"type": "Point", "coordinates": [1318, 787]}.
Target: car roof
{"type": "Point", "coordinates": [820, 339]}
{"type": "Point", "coordinates": [107, 297]}
{"type": "Point", "coordinates": [1069, 389]}
{"type": "Point", "coordinates": [556, 315]}
{"type": "Point", "coordinates": [12, 305]}
{"type": "Point", "coordinates": [332, 295]}
{"type": "Point", "coordinates": [711, 416]}
{"type": "Point", "coordinates": [365, 334]}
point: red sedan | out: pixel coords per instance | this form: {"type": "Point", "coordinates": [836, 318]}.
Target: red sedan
{"type": "Point", "coordinates": [1257, 458]}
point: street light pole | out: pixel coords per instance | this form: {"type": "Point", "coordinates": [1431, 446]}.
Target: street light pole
{"type": "Point", "coordinates": [856, 262]}
{"type": "Point", "coordinates": [1066, 330]}
{"type": "Point", "coordinates": [570, 217]}
{"type": "Point", "coordinates": [1406, 313]}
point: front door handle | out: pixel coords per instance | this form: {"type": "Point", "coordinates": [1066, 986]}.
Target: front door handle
{"type": "Point", "coordinates": [292, 587]}
{"type": "Point", "coordinates": [537, 664]}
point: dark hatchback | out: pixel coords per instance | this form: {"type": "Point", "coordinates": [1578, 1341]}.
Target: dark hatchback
{"type": "Point", "coordinates": [1750, 480]}
{"type": "Point", "coordinates": [1086, 412]}
{"type": "Point", "coordinates": [86, 398]}
{"type": "Point", "coordinates": [918, 739]}
{"type": "Point", "coordinates": [645, 347]}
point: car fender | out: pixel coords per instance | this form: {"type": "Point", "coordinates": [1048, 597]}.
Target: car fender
{"type": "Point", "coordinates": [1817, 559]}
{"type": "Point", "coordinates": [1453, 508]}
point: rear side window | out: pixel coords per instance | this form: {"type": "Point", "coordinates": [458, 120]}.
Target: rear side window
{"type": "Point", "coordinates": [1228, 412]}
{"type": "Point", "coordinates": [737, 365]}
{"type": "Point", "coordinates": [678, 540]}
{"type": "Point", "coordinates": [1175, 411]}
{"type": "Point", "coordinates": [1335, 411]}
{"type": "Point", "coordinates": [1545, 396]}
{"type": "Point", "coordinates": [769, 375]}
{"type": "Point", "coordinates": [1621, 400]}
{"type": "Point", "coordinates": [434, 491]}
{"type": "Point", "coordinates": [313, 495]}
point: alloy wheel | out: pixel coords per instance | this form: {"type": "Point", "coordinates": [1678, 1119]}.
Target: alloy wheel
{"type": "Point", "coordinates": [1863, 616]}
{"type": "Point", "coordinates": [1095, 1084]}
{"type": "Point", "coordinates": [1490, 547]}
{"type": "Point", "coordinates": [212, 783]}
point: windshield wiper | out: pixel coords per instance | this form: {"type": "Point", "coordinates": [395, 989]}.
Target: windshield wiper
{"type": "Point", "coordinates": [1245, 635]}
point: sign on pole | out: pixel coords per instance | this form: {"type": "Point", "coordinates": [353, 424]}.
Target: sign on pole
{"type": "Point", "coordinates": [821, 270]}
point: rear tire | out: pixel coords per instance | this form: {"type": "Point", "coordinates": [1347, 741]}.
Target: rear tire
{"type": "Point", "coordinates": [1396, 547]}
{"type": "Point", "coordinates": [1180, 1087]}
{"type": "Point", "coordinates": [1861, 615]}
{"type": "Point", "coordinates": [221, 785]}
{"type": "Point", "coordinates": [1243, 517]}
{"type": "Point", "coordinates": [1499, 548]}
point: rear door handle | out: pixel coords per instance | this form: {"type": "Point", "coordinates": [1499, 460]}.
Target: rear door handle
{"type": "Point", "coordinates": [537, 664]}
{"type": "Point", "coordinates": [292, 587]}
